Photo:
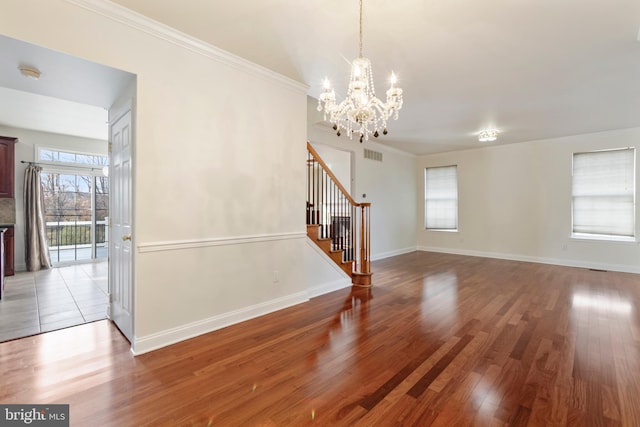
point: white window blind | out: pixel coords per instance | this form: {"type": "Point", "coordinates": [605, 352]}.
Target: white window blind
{"type": "Point", "coordinates": [441, 198]}
{"type": "Point", "coordinates": [604, 193]}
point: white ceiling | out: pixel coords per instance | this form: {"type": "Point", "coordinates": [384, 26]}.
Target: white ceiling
{"type": "Point", "coordinates": [71, 96]}
{"type": "Point", "coordinates": [43, 113]}
{"type": "Point", "coordinates": [535, 69]}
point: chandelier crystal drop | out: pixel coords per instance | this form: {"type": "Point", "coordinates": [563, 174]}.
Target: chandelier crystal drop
{"type": "Point", "coordinates": [361, 112]}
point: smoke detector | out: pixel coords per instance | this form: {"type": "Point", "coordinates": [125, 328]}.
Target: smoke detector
{"type": "Point", "coordinates": [30, 72]}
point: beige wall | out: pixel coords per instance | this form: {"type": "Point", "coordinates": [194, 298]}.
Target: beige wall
{"type": "Point", "coordinates": [218, 171]}
{"type": "Point", "coordinates": [515, 202]}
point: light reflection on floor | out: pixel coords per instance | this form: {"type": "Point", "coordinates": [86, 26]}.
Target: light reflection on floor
{"type": "Point", "coordinates": [601, 303]}
{"type": "Point", "coordinates": [603, 331]}
{"type": "Point", "coordinates": [339, 345]}
{"type": "Point", "coordinates": [440, 298]}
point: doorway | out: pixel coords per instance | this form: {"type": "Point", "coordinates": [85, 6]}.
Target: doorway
{"type": "Point", "coordinates": [60, 117]}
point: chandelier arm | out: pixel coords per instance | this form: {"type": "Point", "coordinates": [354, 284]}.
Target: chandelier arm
{"type": "Point", "coordinates": [383, 108]}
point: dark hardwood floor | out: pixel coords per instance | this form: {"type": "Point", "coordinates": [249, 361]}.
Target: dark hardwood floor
{"type": "Point", "coordinates": [439, 340]}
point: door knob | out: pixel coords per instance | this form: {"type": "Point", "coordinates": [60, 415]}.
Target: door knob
{"type": "Point", "coordinates": [125, 238]}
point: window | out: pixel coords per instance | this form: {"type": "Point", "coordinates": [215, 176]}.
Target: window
{"type": "Point", "coordinates": [604, 194]}
{"type": "Point", "coordinates": [56, 156]}
{"type": "Point", "coordinates": [76, 205]}
{"type": "Point", "coordinates": [441, 198]}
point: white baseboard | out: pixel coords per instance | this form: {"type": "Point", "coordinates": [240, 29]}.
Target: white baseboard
{"type": "Point", "coordinates": [161, 339]}
{"type": "Point", "coordinates": [539, 260]}
{"type": "Point", "coordinates": [389, 254]}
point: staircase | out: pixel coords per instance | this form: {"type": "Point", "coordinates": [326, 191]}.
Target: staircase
{"type": "Point", "coordinates": [336, 222]}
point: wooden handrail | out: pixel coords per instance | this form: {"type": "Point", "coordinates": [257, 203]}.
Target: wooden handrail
{"type": "Point", "coordinates": [333, 177]}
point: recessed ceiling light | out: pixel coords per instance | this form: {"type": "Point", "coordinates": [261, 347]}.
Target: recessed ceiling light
{"type": "Point", "coordinates": [30, 72]}
{"type": "Point", "coordinates": [488, 135]}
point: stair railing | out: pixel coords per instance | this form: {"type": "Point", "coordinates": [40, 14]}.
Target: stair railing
{"type": "Point", "coordinates": [339, 216]}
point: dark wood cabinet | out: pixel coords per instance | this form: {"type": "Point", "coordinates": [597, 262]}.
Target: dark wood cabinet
{"type": "Point", "coordinates": [9, 263]}
{"type": "Point", "coordinates": [7, 190]}
{"type": "Point", "coordinates": [7, 166]}
{"type": "Point", "coordinates": [2, 232]}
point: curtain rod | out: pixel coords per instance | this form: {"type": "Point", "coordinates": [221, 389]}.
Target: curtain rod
{"type": "Point", "coordinates": [62, 166]}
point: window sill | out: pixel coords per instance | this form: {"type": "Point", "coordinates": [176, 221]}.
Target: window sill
{"type": "Point", "coordinates": [603, 238]}
{"type": "Point", "coordinates": [446, 230]}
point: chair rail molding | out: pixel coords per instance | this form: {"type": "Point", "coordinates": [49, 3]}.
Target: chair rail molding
{"type": "Point", "coordinates": [174, 245]}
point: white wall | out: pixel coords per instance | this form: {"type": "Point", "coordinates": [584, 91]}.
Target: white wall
{"type": "Point", "coordinates": [390, 187]}
{"type": "Point", "coordinates": [25, 150]}
{"type": "Point", "coordinates": [339, 162]}
{"type": "Point", "coordinates": [219, 170]}
{"type": "Point", "coordinates": [515, 202]}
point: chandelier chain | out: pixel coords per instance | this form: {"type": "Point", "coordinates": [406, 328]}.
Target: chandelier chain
{"type": "Point", "coordinates": [360, 29]}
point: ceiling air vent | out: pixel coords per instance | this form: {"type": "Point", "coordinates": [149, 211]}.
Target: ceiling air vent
{"type": "Point", "coordinates": [372, 155]}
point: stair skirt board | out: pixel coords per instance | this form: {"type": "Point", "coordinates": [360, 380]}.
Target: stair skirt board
{"type": "Point", "coordinates": [330, 262]}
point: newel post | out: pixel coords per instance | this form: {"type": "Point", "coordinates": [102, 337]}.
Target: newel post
{"type": "Point", "coordinates": [365, 239]}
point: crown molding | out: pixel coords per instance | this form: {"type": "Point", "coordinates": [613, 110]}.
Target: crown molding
{"type": "Point", "coordinates": [164, 32]}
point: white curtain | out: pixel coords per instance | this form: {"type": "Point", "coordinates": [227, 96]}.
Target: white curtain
{"type": "Point", "coordinates": [36, 248]}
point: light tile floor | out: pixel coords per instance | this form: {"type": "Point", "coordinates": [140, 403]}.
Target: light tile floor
{"type": "Point", "coordinates": [36, 302]}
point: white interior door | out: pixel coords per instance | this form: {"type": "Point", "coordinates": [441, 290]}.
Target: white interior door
{"type": "Point", "coordinates": [120, 212]}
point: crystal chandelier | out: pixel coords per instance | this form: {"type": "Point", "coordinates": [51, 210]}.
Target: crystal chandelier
{"type": "Point", "coordinates": [361, 112]}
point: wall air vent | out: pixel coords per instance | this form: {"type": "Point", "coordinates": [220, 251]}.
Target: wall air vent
{"type": "Point", "coordinates": [372, 155]}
